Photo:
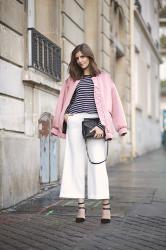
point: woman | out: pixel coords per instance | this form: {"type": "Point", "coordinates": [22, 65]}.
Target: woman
{"type": "Point", "coordinates": [88, 92]}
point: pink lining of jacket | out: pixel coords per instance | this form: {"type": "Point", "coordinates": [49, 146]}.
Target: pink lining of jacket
{"type": "Point", "coordinates": [107, 101]}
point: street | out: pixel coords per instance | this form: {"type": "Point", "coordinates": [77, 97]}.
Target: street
{"type": "Point", "coordinates": [138, 205]}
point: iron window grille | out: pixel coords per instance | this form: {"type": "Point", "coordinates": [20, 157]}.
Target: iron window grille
{"type": "Point", "coordinates": [44, 55]}
{"type": "Point", "coordinates": [138, 5]}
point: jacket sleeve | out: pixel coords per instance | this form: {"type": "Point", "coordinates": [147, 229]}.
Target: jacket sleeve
{"type": "Point", "coordinates": [118, 115]}
{"type": "Point", "coordinates": [58, 109]}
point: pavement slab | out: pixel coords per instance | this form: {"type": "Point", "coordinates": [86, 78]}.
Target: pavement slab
{"type": "Point", "coordinates": [138, 207]}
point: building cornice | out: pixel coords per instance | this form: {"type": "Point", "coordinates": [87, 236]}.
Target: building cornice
{"type": "Point", "coordinates": [163, 91]}
{"type": "Point", "coordinates": [162, 20]}
{"type": "Point", "coordinates": [163, 51]}
{"type": "Point", "coordinates": [147, 34]}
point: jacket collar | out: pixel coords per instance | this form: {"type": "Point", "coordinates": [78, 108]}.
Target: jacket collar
{"type": "Point", "coordinates": [94, 79]}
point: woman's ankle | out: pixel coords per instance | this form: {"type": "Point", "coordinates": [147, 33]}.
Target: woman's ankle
{"type": "Point", "coordinates": [106, 202]}
{"type": "Point", "coordinates": [81, 202]}
{"type": "Point", "coordinates": [81, 211]}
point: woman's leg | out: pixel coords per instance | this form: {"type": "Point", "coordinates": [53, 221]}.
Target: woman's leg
{"type": "Point", "coordinates": [73, 176]}
{"type": "Point", "coordinates": [98, 183]}
{"type": "Point", "coordinates": [81, 210]}
{"type": "Point", "coordinates": [106, 213]}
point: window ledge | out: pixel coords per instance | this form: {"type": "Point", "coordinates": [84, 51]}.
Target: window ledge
{"type": "Point", "coordinates": [34, 77]}
{"type": "Point", "coordinates": [149, 116]}
{"type": "Point", "coordinates": [119, 48]}
{"type": "Point", "coordinates": [139, 108]}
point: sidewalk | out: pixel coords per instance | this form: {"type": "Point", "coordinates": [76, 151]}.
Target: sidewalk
{"type": "Point", "coordinates": [138, 202]}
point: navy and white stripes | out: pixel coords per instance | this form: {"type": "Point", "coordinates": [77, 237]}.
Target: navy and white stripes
{"type": "Point", "coordinates": [83, 98]}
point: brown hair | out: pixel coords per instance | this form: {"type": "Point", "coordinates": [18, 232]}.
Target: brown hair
{"type": "Point", "coordinates": [75, 70]}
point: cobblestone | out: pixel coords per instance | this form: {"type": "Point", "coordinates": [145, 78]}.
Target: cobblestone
{"type": "Point", "coordinates": [45, 222]}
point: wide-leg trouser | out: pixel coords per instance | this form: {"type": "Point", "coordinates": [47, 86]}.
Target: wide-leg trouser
{"type": "Point", "coordinates": [76, 163]}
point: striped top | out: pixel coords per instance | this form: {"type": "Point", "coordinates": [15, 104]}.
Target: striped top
{"type": "Point", "coordinates": [83, 98]}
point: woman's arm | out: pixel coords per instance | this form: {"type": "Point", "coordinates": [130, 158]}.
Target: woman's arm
{"type": "Point", "coordinates": [58, 109]}
{"type": "Point", "coordinates": [118, 115]}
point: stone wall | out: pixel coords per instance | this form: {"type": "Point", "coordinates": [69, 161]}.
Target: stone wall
{"type": "Point", "coordinates": [114, 34]}
{"type": "Point", "coordinates": [146, 86]}
{"type": "Point", "coordinates": [19, 154]}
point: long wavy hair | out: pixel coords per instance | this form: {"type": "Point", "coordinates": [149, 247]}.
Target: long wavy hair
{"type": "Point", "coordinates": [75, 71]}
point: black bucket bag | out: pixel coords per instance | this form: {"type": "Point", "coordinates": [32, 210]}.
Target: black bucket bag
{"type": "Point", "coordinates": [87, 125]}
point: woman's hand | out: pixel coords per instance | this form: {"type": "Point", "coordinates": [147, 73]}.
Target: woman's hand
{"type": "Point", "coordinates": [66, 117]}
{"type": "Point", "coordinates": [99, 133]}
{"type": "Point", "coordinates": [123, 134]}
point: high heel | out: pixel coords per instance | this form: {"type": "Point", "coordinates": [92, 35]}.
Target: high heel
{"type": "Point", "coordinates": [80, 219]}
{"type": "Point", "coordinates": [106, 220]}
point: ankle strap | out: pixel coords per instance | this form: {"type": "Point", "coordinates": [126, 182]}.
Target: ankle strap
{"type": "Point", "coordinates": [106, 204]}
{"type": "Point", "coordinates": [106, 208]}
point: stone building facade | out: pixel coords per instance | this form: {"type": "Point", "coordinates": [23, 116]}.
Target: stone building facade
{"type": "Point", "coordinates": [163, 65]}
{"type": "Point", "coordinates": [145, 77]}
{"type": "Point", "coordinates": [37, 38]}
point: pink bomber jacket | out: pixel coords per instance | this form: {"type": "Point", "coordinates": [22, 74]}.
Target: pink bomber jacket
{"type": "Point", "coordinates": [107, 101]}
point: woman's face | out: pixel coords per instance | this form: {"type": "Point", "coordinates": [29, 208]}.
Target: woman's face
{"type": "Point", "coordinates": [82, 61]}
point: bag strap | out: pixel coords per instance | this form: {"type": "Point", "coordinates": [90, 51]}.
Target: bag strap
{"type": "Point", "coordinates": [89, 156]}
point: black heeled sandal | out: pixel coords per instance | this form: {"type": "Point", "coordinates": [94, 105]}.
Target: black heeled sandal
{"type": "Point", "coordinates": [104, 220]}
{"type": "Point", "coordinates": [80, 219]}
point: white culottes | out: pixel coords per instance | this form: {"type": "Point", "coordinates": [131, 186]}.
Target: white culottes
{"type": "Point", "coordinates": [76, 163]}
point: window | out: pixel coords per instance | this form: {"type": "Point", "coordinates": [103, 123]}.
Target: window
{"type": "Point", "coordinates": [44, 37]}
{"type": "Point", "coordinates": [149, 91]}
